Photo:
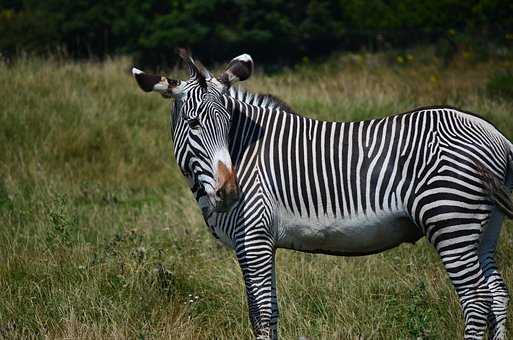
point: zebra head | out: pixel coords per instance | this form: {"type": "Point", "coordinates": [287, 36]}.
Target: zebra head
{"type": "Point", "coordinates": [200, 127]}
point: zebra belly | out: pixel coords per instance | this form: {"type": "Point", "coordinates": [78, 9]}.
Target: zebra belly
{"type": "Point", "coordinates": [361, 235]}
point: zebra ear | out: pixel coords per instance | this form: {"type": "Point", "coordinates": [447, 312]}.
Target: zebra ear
{"type": "Point", "coordinates": [151, 82]}
{"type": "Point", "coordinates": [196, 69]}
{"type": "Point", "coordinates": [239, 69]}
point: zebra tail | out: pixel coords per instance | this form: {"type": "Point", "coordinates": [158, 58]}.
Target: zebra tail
{"type": "Point", "coordinates": [502, 199]}
{"type": "Point", "coordinates": [497, 190]}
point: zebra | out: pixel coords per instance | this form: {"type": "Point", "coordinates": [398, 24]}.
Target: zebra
{"type": "Point", "coordinates": [266, 177]}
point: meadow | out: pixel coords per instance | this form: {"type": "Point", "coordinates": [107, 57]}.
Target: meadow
{"type": "Point", "coordinates": [101, 238]}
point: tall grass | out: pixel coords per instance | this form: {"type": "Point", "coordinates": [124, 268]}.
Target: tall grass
{"type": "Point", "coordinates": [100, 238]}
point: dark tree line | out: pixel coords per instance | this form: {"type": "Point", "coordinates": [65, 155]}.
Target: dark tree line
{"type": "Point", "coordinates": [274, 31]}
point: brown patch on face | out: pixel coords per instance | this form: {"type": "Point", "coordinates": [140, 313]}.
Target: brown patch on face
{"type": "Point", "coordinates": [227, 180]}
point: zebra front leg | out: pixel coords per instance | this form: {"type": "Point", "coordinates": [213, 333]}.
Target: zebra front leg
{"type": "Point", "coordinates": [257, 262]}
{"type": "Point", "coordinates": [274, 303]}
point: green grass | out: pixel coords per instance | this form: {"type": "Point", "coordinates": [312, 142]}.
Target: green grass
{"type": "Point", "coordinates": [100, 237]}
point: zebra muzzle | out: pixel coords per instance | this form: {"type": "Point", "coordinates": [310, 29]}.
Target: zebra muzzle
{"type": "Point", "coordinates": [228, 189]}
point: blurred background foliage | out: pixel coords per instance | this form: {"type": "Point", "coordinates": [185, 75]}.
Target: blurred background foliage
{"type": "Point", "coordinates": [274, 31]}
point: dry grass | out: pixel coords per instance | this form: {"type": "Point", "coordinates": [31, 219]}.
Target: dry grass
{"type": "Point", "coordinates": [101, 238]}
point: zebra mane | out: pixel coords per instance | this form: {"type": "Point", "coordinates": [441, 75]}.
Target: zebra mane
{"type": "Point", "coordinates": [261, 100]}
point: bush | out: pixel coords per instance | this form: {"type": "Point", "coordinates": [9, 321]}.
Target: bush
{"type": "Point", "coordinates": [274, 32]}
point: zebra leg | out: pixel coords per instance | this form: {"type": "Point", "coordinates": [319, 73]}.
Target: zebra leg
{"type": "Point", "coordinates": [274, 303]}
{"type": "Point", "coordinates": [458, 246]}
{"type": "Point", "coordinates": [498, 313]}
{"type": "Point", "coordinates": [256, 261]}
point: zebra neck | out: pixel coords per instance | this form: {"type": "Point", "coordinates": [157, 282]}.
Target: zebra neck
{"type": "Point", "coordinates": [251, 123]}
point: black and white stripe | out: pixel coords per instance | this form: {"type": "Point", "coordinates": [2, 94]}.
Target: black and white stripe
{"type": "Point", "coordinates": [423, 169]}
{"type": "Point", "coordinates": [350, 189]}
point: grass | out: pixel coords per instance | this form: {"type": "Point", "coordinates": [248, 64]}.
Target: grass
{"type": "Point", "coordinates": [100, 237]}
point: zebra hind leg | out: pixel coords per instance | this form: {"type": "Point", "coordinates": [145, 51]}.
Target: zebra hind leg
{"type": "Point", "coordinates": [457, 243]}
{"type": "Point", "coordinates": [488, 244]}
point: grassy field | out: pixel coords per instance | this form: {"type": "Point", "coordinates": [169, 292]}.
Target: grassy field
{"type": "Point", "coordinates": [100, 237]}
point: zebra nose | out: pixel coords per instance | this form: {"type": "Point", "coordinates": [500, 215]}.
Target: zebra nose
{"type": "Point", "coordinates": [228, 190]}
{"type": "Point", "coordinates": [228, 194]}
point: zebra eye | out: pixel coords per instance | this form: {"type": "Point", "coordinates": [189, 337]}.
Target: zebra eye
{"type": "Point", "coordinates": [194, 123]}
